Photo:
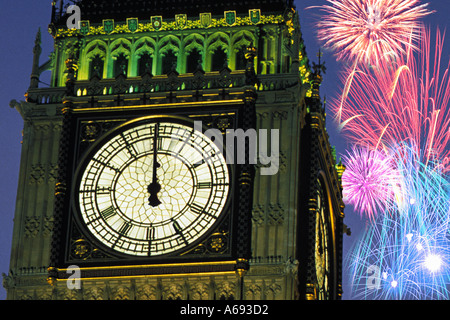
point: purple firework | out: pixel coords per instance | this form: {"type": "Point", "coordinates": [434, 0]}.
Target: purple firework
{"type": "Point", "coordinates": [369, 181]}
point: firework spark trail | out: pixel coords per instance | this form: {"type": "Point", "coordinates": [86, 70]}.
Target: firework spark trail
{"type": "Point", "coordinates": [405, 101]}
{"type": "Point", "coordinates": [402, 259]}
{"type": "Point", "coordinates": [370, 30]}
{"type": "Point", "coordinates": [405, 253]}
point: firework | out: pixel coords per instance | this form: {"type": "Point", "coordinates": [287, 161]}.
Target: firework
{"type": "Point", "coordinates": [369, 180]}
{"type": "Point", "coordinates": [394, 261]}
{"type": "Point", "coordinates": [370, 30]}
{"type": "Point", "coordinates": [405, 253]}
{"type": "Point", "coordinates": [402, 102]}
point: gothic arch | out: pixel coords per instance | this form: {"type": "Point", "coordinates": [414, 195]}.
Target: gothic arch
{"type": "Point", "coordinates": [120, 46]}
{"type": "Point", "coordinates": [217, 47]}
{"type": "Point", "coordinates": [120, 57]}
{"type": "Point", "coordinates": [193, 46]}
{"type": "Point", "coordinates": [239, 42]}
{"type": "Point", "coordinates": [95, 50]}
{"type": "Point", "coordinates": [243, 38]}
{"type": "Point", "coordinates": [144, 48]}
{"type": "Point", "coordinates": [167, 43]}
{"type": "Point", "coordinates": [95, 47]}
{"type": "Point", "coordinates": [194, 40]}
{"type": "Point", "coordinates": [144, 45]}
{"type": "Point", "coordinates": [168, 54]}
{"type": "Point", "coordinates": [218, 40]}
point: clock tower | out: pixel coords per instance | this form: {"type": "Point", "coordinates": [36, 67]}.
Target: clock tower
{"type": "Point", "coordinates": [180, 152]}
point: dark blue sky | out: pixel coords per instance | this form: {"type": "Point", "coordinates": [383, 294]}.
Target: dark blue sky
{"type": "Point", "coordinates": [19, 22]}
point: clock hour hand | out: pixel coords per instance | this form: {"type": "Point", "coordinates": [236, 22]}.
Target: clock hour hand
{"type": "Point", "coordinates": [154, 187]}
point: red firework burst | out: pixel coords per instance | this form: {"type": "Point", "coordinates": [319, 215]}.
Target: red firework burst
{"type": "Point", "coordinates": [403, 102]}
{"type": "Point", "coordinates": [369, 30]}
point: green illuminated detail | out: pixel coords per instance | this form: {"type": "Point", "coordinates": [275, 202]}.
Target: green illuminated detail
{"type": "Point", "coordinates": [144, 49]}
{"type": "Point", "coordinates": [167, 25]}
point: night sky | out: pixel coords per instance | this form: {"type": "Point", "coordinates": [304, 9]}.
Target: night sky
{"type": "Point", "coordinates": [19, 23]}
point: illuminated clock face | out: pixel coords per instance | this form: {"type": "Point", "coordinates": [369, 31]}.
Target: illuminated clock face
{"type": "Point", "coordinates": [154, 188]}
{"type": "Point", "coordinates": [321, 249]}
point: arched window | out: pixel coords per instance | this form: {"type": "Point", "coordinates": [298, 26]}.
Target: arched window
{"type": "Point", "coordinates": [218, 49]}
{"type": "Point", "coordinates": [96, 67]}
{"type": "Point", "coordinates": [169, 47]}
{"type": "Point", "coordinates": [120, 65]}
{"type": "Point", "coordinates": [240, 61]}
{"type": "Point", "coordinates": [145, 63]}
{"type": "Point", "coordinates": [193, 60]}
{"type": "Point", "coordinates": [95, 57]}
{"type": "Point", "coordinates": [145, 57]}
{"type": "Point", "coordinates": [168, 62]}
{"type": "Point", "coordinates": [240, 42]}
{"type": "Point", "coordinates": [120, 54]}
{"type": "Point", "coordinates": [193, 48]}
{"type": "Point", "coordinates": [219, 59]}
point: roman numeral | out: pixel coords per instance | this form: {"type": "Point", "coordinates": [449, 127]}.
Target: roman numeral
{"type": "Point", "coordinates": [204, 185]}
{"type": "Point", "coordinates": [159, 143]}
{"type": "Point", "coordinates": [150, 237]}
{"type": "Point", "coordinates": [99, 190]}
{"type": "Point", "coordinates": [150, 234]}
{"type": "Point", "coordinates": [130, 148]}
{"type": "Point", "coordinates": [125, 228]}
{"type": "Point", "coordinates": [178, 230]}
{"type": "Point", "coordinates": [198, 164]}
{"type": "Point", "coordinates": [196, 208]}
{"type": "Point", "coordinates": [209, 185]}
{"type": "Point", "coordinates": [108, 213]}
{"type": "Point", "coordinates": [103, 190]}
{"type": "Point", "coordinates": [177, 227]}
{"type": "Point", "coordinates": [106, 165]}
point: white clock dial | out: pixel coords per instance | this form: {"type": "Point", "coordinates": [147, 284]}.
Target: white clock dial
{"type": "Point", "coordinates": [153, 188]}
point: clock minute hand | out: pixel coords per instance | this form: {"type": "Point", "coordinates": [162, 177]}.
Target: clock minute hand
{"type": "Point", "coordinates": [154, 187]}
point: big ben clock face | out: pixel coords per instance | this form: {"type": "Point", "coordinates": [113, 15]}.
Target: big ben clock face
{"type": "Point", "coordinates": [152, 188]}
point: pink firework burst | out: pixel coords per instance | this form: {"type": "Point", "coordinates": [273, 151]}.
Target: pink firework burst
{"type": "Point", "coordinates": [369, 30]}
{"type": "Point", "coordinates": [405, 102]}
{"type": "Point", "coordinates": [369, 181]}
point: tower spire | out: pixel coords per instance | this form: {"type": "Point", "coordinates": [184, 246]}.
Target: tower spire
{"type": "Point", "coordinates": [60, 8]}
{"type": "Point", "coordinates": [37, 50]}
{"type": "Point", "coordinates": [317, 74]}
